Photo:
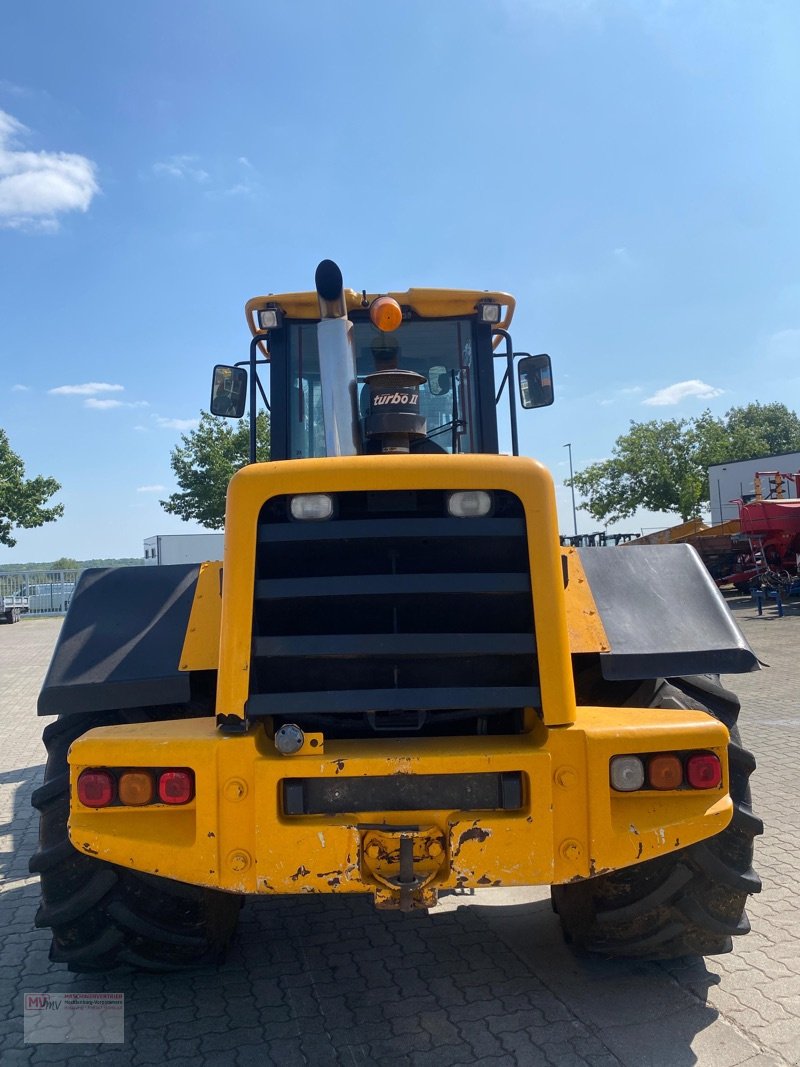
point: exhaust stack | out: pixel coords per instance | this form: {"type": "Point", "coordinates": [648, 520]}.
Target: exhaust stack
{"type": "Point", "coordinates": [337, 364]}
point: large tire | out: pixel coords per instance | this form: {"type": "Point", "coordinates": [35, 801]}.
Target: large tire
{"type": "Point", "coordinates": [690, 902]}
{"type": "Point", "coordinates": [103, 915]}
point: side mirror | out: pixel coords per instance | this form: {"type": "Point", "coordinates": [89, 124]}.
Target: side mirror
{"type": "Point", "coordinates": [229, 391]}
{"type": "Point", "coordinates": [535, 381]}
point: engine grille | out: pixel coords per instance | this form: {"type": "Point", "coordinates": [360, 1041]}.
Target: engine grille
{"type": "Point", "coordinates": [392, 609]}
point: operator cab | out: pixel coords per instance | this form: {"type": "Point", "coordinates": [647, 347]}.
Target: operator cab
{"type": "Point", "coordinates": [421, 362]}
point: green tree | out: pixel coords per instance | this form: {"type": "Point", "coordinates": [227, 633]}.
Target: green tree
{"type": "Point", "coordinates": [761, 430]}
{"type": "Point", "coordinates": [22, 500]}
{"type": "Point", "coordinates": [206, 462]}
{"type": "Point", "coordinates": [662, 465]}
{"type": "Point", "coordinates": [66, 563]}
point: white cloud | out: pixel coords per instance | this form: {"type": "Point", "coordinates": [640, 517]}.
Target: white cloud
{"type": "Point", "coordinates": [37, 187]}
{"type": "Point", "coordinates": [151, 489]}
{"type": "Point", "coordinates": [176, 424]}
{"type": "Point", "coordinates": [622, 394]}
{"type": "Point", "coordinates": [784, 345]}
{"type": "Point", "coordinates": [106, 405]}
{"type": "Point", "coordinates": [240, 189]}
{"type": "Point", "coordinates": [20, 388]}
{"type": "Point", "coordinates": [87, 389]}
{"type": "Point", "coordinates": [674, 394]}
{"type": "Point", "coordinates": [181, 167]}
{"type": "Point", "coordinates": [224, 180]}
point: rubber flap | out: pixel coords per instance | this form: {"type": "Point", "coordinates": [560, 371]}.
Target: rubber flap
{"type": "Point", "coordinates": [121, 641]}
{"type": "Point", "coordinates": [663, 614]}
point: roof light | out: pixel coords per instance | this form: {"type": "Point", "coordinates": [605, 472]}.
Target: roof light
{"type": "Point", "coordinates": [175, 787]}
{"type": "Point", "coordinates": [627, 773]}
{"type": "Point", "coordinates": [96, 789]}
{"type": "Point", "coordinates": [269, 318]}
{"type": "Point", "coordinates": [311, 507]}
{"type": "Point", "coordinates": [386, 313]}
{"type": "Point", "coordinates": [664, 772]}
{"type": "Point", "coordinates": [469, 504]}
{"type": "Point", "coordinates": [704, 771]}
{"type": "Point", "coordinates": [136, 787]}
{"type": "Point", "coordinates": [489, 313]}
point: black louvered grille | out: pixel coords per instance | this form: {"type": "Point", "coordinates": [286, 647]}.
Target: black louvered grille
{"type": "Point", "coordinates": [393, 608]}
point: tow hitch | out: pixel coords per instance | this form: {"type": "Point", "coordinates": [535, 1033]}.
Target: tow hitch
{"type": "Point", "coordinates": [402, 863]}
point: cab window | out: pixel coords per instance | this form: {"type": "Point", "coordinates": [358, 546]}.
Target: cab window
{"type": "Point", "coordinates": [440, 350]}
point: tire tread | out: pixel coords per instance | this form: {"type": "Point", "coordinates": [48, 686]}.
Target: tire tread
{"type": "Point", "coordinates": [690, 902]}
{"type": "Point", "coordinates": [103, 916]}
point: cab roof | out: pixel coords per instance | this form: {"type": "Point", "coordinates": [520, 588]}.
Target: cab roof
{"type": "Point", "coordinates": [427, 303]}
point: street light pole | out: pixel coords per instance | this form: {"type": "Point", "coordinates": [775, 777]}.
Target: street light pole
{"type": "Point", "coordinates": [572, 487]}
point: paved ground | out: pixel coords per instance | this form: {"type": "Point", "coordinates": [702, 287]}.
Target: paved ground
{"type": "Point", "coordinates": [485, 980]}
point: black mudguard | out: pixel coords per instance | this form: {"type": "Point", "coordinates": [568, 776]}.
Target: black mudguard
{"type": "Point", "coordinates": [121, 641]}
{"type": "Point", "coordinates": [663, 615]}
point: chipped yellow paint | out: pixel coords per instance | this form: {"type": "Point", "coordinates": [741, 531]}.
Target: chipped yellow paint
{"type": "Point", "coordinates": [235, 836]}
{"type": "Point", "coordinates": [201, 644]}
{"type": "Point", "coordinates": [584, 625]}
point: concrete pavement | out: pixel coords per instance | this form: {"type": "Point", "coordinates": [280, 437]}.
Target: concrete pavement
{"type": "Point", "coordinates": [484, 979]}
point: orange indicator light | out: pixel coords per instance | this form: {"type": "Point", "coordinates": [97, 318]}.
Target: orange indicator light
{"type": "Point", "coordinates": [136, 787]}
{"type": "Point", "coordinates": [386, 314]}
{"type": "Point", "coordinates": [665, 772]}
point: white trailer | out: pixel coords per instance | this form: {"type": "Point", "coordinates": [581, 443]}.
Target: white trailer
{"type": "Point", "coordinates": [182, 548]}
{"type": "Point", "coordinates": [12, 607]}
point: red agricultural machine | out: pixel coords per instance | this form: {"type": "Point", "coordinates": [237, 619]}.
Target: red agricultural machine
{"type": "Point", "coordinates": [760, 549]}
{"type": "Point", "coordinates": [769, 541]}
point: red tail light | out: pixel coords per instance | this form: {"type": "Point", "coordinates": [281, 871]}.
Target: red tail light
{"type": "Point", "coordinates": [175, 787]}
{"type": "Point", "coordinates": [96, 789]}
{"type": "Point", "coordinates": [703, 771]}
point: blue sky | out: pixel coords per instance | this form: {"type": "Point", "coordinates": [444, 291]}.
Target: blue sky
{"type": "Point", "coordinates": [627, 168]}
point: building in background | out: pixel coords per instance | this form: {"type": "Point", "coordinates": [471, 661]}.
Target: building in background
{"type": "Point", "coordinates": [728, 482]}
{"type": "Point", "coordinates": [182, 548]}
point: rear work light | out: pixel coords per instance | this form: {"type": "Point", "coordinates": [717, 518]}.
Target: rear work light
{"type": "Point", "coordinates": [269, 319]}
{"type": "Point", "coordinates": [469, 504]}
{"type": "Point", "coordinates": [489, 312]}
{"type": "Point", "coordinates": [311, 507]}
{"type": "Point", "coordinates": [96, 789]}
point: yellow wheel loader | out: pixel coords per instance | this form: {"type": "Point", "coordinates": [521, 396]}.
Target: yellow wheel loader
{"type": "Point", "coordinates": [396, 683]}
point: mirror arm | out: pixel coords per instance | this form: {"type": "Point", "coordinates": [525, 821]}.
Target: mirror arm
{"type": "Point", "coordinates": [502, 387]}
{"type": "Point", "coordinates": [246, 363]}
{"type": "Point", "coordinates": [454, 440]}
{"type": "Point", "coordinates": [254, 384]}
{"type": "Point", "coordinates": [512, 400]}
